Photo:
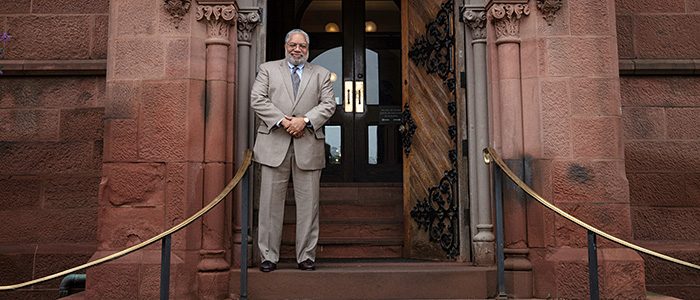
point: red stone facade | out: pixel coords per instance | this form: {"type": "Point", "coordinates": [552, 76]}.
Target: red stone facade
{"type": "Point", "coordinates": [99, 153]}
{"type": "Point", "coordinates": [661, 127]}
{"type": "Point", "coordinates": [572, 138]}
{"type": "Point", "coordinates": [50, 140]}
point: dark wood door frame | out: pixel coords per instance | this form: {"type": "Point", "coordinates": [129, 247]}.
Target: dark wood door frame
{"type": "Point", "coordinates": [355, 166]}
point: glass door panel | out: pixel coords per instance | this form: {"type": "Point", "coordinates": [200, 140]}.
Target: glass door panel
{"type": "Point", "coordinates": [359, 42]}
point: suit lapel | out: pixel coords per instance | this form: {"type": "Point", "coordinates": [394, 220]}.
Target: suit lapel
{"type": "Point", "coordinates": [287, 79]}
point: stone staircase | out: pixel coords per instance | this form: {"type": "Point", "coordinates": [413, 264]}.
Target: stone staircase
{"type": "Point", "coordinates": [360, 255]}
{"type": "Point", "coordinates": [371, 280]}
{"type": "Point", "coordinates": [356, 221]}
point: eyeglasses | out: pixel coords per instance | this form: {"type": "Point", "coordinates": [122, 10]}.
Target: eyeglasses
{"type": "Point", "coordinates": [294, 45]}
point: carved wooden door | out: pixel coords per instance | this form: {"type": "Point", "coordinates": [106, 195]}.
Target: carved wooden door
{"type": "Point", "coordinates": [429, 130]}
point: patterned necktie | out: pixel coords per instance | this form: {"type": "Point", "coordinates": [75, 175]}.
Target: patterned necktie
{"type": "Point", "coordinates": [295, 80]}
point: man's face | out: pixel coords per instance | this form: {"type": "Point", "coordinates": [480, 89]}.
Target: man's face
{"type": "Point", "coordinates": [297, 49]}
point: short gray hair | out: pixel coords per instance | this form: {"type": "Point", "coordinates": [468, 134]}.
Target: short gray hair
{"type": "Point", "coordinates": [295, 31]}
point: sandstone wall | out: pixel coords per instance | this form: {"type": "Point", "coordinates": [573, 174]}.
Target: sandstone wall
{"type": "Point", "coordinates": [50, 139]}
{"type": "Point", "coordinates": [661, 117]}
{"type": "Point", "coordinates": [572, 132]}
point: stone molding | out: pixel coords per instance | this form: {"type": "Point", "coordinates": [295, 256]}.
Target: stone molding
{"type": "Point", "coordinates": [549, 8]}
{"type": "Point", "coordinates": [506, 18]}
{"type": "Point", "coordinates": [248, 19]}
{"type": "Point", "coordinates": [219, 20]}
{"type": "Point", "coordinates": [476, 20]}
{"type": "Point", "coordinates": [659, 66]}
{"type": "Point", "coordinates": [177, 9]}
{"type": "Point", "coordinates": [54, 67]}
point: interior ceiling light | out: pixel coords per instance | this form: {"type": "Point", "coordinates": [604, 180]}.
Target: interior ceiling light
{"type": "Point", "coordinates": [332, 27]}
{"type": "Point", "coordinates": [370, 26]}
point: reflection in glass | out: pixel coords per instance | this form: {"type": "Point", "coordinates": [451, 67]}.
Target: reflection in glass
{"type": "Point", "coordinates": [383, 76]}
{"type": "Point", "coordinates": [333, 61]}
{"type": "Point", "coordinates": [333, 144]}
{"type": "Point", "coordinates": [372, 142]}
{"type": "Point", "coordinates": [372, 64]}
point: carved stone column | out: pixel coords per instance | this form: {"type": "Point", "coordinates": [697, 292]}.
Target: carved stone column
{"type": "Point", "coordinates": [484, 251]}
{"type": "Point", "coordinates": [219, 16]}
{"type": "Point", "coordinates": [248, 19]}
{"type": "Point", "coordinates": [505, 16]}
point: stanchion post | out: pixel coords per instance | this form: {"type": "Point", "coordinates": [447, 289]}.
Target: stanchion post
{"type": "Point", "coordinates": [165, 268]}
{"type": "Point", "coordinates": [593, 266]}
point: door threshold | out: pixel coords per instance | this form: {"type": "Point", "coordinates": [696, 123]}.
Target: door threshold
{"type": "Point", "coordinates": [378, 260]}
{"type": "Point", "coordinates": [361, 184]}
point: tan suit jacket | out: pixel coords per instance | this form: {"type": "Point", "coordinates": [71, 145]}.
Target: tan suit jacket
{"type": "Point", "coordinates": [272, 97]}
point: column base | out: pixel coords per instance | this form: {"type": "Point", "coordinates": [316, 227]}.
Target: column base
{"type": "Point", "coordinates": [136, 276]}
{"type": "Point", "coordinates": [484, 246]}
{"type": "Point", "coordinates": [519, 284]}
{"type": "Point", "coordinates": [213, 261]}
{"type": "Point", "coordinates": [236, 258]}
{"type": "Point", "coordinates": [484, 254]}
{"type": "Point", "coordinates": [213, 285]}
{"type": "Point", "coordinates": [519, 276]}
{"type": "Point", "coordinates": [563, 273]}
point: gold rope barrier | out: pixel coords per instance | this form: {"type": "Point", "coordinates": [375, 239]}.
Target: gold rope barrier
{"type": "Point", "coordinates": [490, 155]}
{"type": "Point", "coordinates": [239, 174]}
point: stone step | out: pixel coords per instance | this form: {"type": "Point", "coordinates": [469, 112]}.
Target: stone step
{"type": "Point", "coordinates": [355, 249]}
{"type": "Point", "coordinates": [359, 193]}
{"type": "Point", "coordinates": [668, 278]}
{"type": "Point", "coordinates": [371, 280]}
{"type": "Point", "coordinates": [351, 211]}
{"type": "Point", "coordinates": [351, 230]}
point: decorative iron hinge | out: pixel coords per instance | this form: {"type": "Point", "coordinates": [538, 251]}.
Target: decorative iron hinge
{"type": "Point", "coordinates": [407, 129]}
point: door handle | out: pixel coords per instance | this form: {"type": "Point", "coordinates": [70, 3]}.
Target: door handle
{"type": "Point", "coordinates": [348, 94]}
{"type": "Point", "coordinates": [360, 96]}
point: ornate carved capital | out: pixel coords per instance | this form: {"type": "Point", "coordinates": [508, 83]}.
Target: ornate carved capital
{"type": "Point", "coordinates": [219, 19]}
{"type": "Point", "coordinates": [248, 19]}
{"type": "Point", "coordinates": [177, 9]}
{"type": "Point", "coordinates": [549, 8]}
{"type": "Point", "coordinates": [506, 18]}
{"type": "Point", "coordinates": [476, 20]}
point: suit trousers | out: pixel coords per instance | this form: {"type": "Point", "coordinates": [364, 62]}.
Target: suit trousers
{"type": "Point", "coordinates": [273, 192]}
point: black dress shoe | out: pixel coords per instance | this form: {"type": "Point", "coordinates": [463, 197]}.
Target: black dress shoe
{"type": "Point", "coordinates": [268, 266]}
{"type": "Point", "coordinates": [307, 265]}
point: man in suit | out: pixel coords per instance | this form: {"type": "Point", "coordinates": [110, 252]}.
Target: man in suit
{"type": "Point", "coordinates": [293, 98]}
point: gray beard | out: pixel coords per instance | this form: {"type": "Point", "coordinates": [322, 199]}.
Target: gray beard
{"type": "Point", "coordinates": [293, 61]}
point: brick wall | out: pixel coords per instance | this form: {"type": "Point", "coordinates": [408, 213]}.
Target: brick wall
{"type": "Point", "coordinates": [661, 117]}
{"type": "Point", "coordinates": [50, 140]}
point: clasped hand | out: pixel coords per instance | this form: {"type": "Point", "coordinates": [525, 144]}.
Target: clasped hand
{"type": "Point", "coordinates": [294, 126]}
